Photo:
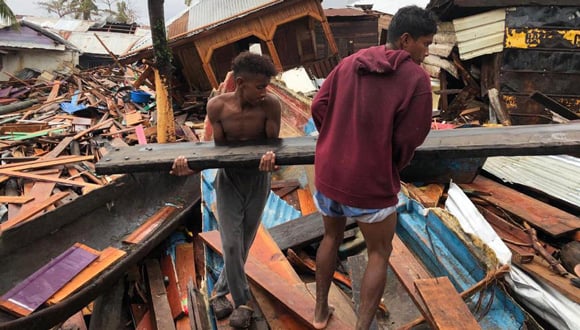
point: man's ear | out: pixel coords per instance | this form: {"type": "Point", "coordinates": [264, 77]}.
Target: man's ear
{"type": "Point", "coordinates": [405, 39]}
{"type": "Point", "coordinates": [239, 80]}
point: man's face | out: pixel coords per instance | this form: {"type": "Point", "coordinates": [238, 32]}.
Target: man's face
{"type": "Point", "coordinates": [254, 87]}
{"type": "Point", "coordinates": [418, 48]}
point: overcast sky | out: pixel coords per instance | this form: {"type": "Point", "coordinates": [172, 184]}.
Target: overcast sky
{"type": "Point", "coordinates": [174, 7]}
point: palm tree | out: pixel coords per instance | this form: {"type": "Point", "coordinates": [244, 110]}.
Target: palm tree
{"type": "Point", "coordinates": [6, 13]}
{"type": "Point", "coordinates": [84, 8]}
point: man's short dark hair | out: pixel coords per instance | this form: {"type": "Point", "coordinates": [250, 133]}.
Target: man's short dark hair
{"type": "Point", "coordinates": [418, 22]}
{"type": "Point", "coordinates": [247, 62]}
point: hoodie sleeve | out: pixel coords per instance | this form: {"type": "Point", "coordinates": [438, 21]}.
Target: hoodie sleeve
{"type": "Point", "coordinates": [412, 124]}
{"type": "Point", "coordinates": [320, 102]}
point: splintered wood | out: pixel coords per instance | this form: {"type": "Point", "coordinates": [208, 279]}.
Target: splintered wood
{"type": "Point", "coordinates": [67, 122]}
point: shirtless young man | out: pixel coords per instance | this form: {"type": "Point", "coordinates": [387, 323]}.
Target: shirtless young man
{"type": "Point", "coordinates": [372, 112]}
{"type": "Point", "coordinates": [248, 113]}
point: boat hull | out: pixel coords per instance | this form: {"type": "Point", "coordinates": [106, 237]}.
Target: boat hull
{"type": "Point", "coordinates": [106, 221]}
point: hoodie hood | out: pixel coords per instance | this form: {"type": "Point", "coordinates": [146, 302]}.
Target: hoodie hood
{"type": "Point", "coordinates": [379, 60]}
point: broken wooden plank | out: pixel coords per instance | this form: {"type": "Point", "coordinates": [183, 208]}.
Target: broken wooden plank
{"type": "Point", "coordinates": [408, 269]}
{"type": "Point", "coordinates": [445, 306]}
{"type": "Point", "coordinates": [515, 239]}
{"type": "Point", "coordinates": [185, 270]}
{"type": "Point", "coordinates": [306, 200]}
{"type": "Point", "coordinates": [41, 191]}
{"type": "Point", "coordinates": [440, 144]}
{"type": "Point", "coordinates": [276, 315]}
{"type": "Point", "coordinates": [267, 267]}
{"type": "Point", "coordinates": [150, 225]}
{"type": "Point", "coordinates": [49, 179]}
{"type": "Point", "coordinates": [541, 215]}
{"type": "Point", "coordinates": [301, 231]}
{"type": "Point", "coordinates": [32, 292]}
{"type": "Point", "coordinates": [171, 287]}
{"type": "Point", "coordinates": [24, 216]}
{"type": "Point", "coordinates": [107, 257]}
{"type": "Point", "coordinates": [16, 199]}
{"type": "Point", "coordinates": [161, 310]}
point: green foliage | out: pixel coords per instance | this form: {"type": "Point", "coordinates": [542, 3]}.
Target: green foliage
{"type": "Point", "coordinates": [90, 9]}
{"type": "Point", "coordinates": [6, 13]}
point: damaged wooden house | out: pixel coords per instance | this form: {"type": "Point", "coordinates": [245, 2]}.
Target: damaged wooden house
{"type": "Point", "coordinates": [204, 41]}
{"type": "Point", "coordinates": [502, 62]}
{"type": "Point", "coordinates": [34, 48]}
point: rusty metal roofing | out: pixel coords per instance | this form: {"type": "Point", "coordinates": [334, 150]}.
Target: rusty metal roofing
{"type": "Point", "coordinates": [556, 176]}
{"type": "Point", "coordinates": [118, 43]}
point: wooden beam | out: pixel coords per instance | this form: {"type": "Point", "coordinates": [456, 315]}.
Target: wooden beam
{"type": "Point", "coordinates": [150, 225]}
{"type": "Point", "coordinates": [301, 231]}
{"type": "Point", "coordinates": [543, 216]}
{"type": "Point", "coordinates": [161, 309]}
{"type": "Point", "coordinates": [444, 305]}
{"type": "Point", "coordinates": [440, 144]}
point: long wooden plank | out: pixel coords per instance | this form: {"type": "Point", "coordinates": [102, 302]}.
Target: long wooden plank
{"type": "Point", "coordinates": [150, 225]}
{"type": "Point", "coordinates": [440, 144]}
{"type": "Point", "coordinates": [161, 309]}
{"type": "Point", "coordinates": [541, 215]}
{"type": "Point", "coordinates": [301, 231]}
{"type": "Point", "coordinates": [24, 216]}
{"type": "Point", "coordinates": [272, 275]}
{"type": "Point", "coordinates": [16, 199]}
{"type": "Point", "coordinates": [408, 270]}
{"type": "Point", "coordinates": [185, 271]}
{"type": "Point", "coordinates": [49, 179]}
{"type": "Point", "coordinates": [41, 191]}
{"type": "Point", "coordinates": [171, 286]}
{"type": "Point", "coordinates": [445, 306]}
{"type": "Point", "coordinates": [33, 291]}
{"type": "Point", "coordinates": [107, 257]}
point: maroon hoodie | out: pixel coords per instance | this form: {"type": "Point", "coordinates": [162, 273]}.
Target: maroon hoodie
{"type": "Point", "coordinates": [372, 112]}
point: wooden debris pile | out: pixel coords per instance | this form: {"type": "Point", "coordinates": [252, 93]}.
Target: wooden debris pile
{"type": "Point", "coordinates": [54, 127]}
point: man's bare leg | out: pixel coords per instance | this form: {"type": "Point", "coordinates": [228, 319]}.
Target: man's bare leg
{"type": "Point", "coordinates": [325, 267]}
{"type": "Point", "coordinates": [378, 238]}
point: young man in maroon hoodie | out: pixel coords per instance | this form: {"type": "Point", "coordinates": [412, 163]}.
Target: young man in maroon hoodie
{"type": "Point", "coordinates": [372, 112]}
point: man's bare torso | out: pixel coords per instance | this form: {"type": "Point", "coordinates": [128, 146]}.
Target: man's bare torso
{"type": "Point", "coordinates": [241, 123]}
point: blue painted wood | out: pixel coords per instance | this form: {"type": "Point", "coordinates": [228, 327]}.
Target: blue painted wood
{"type": "Point", "coordinates": [445, 254]}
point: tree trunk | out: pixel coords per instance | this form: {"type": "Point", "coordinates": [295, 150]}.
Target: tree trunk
{"type": "Point", "coordinates": [163, 56]}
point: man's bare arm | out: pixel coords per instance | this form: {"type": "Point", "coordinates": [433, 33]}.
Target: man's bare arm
{"type": "Point", "coordinates": [273, 117]}
{"type": "Point", "coordinates": [214, 110]}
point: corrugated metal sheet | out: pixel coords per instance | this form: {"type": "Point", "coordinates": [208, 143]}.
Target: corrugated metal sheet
{"type": "Point", "coordinates": [557, 176]}
{"type": "Point", "coordinates": [32, 36]}
{"type": "Point", "coordinates": [204, 14]}
{"type": "Point", "coordinates": [480, 34]}
{"type": "Point", "coordinates": [60, 24]}
{"type": "Point", "coordinates": [118, 43]}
